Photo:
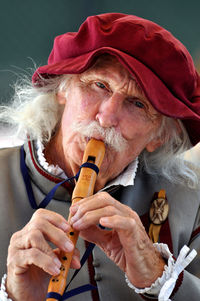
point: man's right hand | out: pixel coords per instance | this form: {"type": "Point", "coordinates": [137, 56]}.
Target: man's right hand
{"type": "Point", "coordinates": [31, 261]}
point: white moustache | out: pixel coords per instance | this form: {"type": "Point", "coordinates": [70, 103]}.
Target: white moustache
{"type": "Point", "coordinates": [109, 135]}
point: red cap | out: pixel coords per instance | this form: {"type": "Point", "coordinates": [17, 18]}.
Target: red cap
{"type": "Point", "coordinates": [161, 64]}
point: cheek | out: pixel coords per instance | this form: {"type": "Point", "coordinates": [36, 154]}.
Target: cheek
{"type": "Point", "coordinates": [132, 130]}
{"type": "Point", "coordinates": [88, 105]}
{"type": "Point", "coordinates": [84, 106]}
{"type": "Point", "coordinates": [73, 111]}
{"type": "Point", "coordinates": [68, 116]}
{"type": "Point", "coordinates": [77, 109]}
{"type": "Point", "coordinates": [137, 129]}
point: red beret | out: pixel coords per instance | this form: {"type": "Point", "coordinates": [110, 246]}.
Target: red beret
{"type": "Point", "coordinates": [161, 64]}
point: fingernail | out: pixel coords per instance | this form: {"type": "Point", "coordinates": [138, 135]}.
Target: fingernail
{"type": "Point", "coordinates": [65, 227]}
{"type": "Point", "coordinates": [78, 264]}
{"type": "Point", "coordinates": [57, 262]}
{"type": "Point", "coordinates": [73, 208]}
{"type": "Point", "coordinates": [73, 218]}
{"type": "Point", "coordinates": [104, 220]}
{"type": "Point", "coordinates": [69, 246]}
{"type": "Point", "coordinates": [56, 270]}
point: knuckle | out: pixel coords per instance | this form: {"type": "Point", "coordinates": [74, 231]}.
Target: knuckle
{"type": "Point", "coordinates": [81, 209]}
{"type": "Point", "coordinates": [110, 209]}
{"type": "Point", "coordinates": [132, 222]}
{"type": "Point", "coordinates": [38, 213]}
{"type": "Point", "coordinates": [103, 194]}
{"type": "Point", "coordinates": [12, 259]}
{"type": "Point", "coordinates": [34, 235]}
{"type": "Point", "coordinates": [14, 237]}
{"type": "Point", "coordinates": [38, 223]}
{"type": "Point", "coordinates": [106, 197]}
{"type": "Point", "coordinates": [33, 224]}
{"type": "Point", "coordinates": [131, 213]}
{"type": "Point", "coordinates": [33, 238]}
{"type": "Point", "coordinates": [34, 254]}
{"type": "Point", "coordinates": [134, 214]}
{"type": "Point", "coordinates": [86, 216]}
{"type": "Point", "coordinates": [11, 250]}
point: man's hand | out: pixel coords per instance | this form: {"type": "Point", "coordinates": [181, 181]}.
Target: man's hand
{"type": "Point", "coordinates": [127, 243]}
{"type": "Point", "coordinates": [31, 260]}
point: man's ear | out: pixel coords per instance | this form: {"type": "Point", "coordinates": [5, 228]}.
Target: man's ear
{"type": "Point", "coordinates": [154, 144]}
{"type": "Point", "coordinates": [61, 97]}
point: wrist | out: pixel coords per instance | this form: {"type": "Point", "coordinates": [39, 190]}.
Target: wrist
{"type": "Point", "coordinates": [165, 284]}
{"type": "Point", "coordinates": [153, 269]}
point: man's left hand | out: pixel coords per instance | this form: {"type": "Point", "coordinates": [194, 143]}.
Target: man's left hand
{"type": "Point", "coordinates": [126, 243]}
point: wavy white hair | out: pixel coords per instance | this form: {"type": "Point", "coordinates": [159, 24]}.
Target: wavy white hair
{"type": "Point", "coordinates": [35, 112]}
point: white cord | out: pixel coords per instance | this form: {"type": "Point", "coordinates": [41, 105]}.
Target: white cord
{"type": "Point", "coordinates": [3, 293]}
{"type": "Point", "coordinates": [181, 263]}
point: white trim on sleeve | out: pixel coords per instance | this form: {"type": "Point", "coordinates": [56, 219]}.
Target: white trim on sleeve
{"type": "Point", "coordinates": [164, 285]}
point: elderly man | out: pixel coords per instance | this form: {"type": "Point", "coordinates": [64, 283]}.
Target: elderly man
{"type": "Point", "coordinates": [129, 83]}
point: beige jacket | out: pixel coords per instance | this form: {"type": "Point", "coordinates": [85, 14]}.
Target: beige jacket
{"type": "Point", "coordinates": [182, 227]}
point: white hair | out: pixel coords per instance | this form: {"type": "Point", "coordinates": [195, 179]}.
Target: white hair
{"type": "Point", "coordinates": [35, 113]}
{"type": "Point", "coordinates": [169, 159]}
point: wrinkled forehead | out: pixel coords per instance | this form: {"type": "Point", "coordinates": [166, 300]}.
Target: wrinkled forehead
{"type": "Point", "coordinates": [110, 66]}
{"type": "Point", "coordinates": [106, 61]}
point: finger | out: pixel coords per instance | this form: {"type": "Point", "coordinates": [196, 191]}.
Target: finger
{"type": "Point", "coordinates": [52, 233]}
{"type": "Point", "coordinates": [42, 215]}
{"type": "Point", "coordinates": [92, 217]}
{"type": "Point", "coordinates": [99, 200]}
{"type": "Point", "coordinates": [23, 259]}
{"type": "Point", "coordinates": [118, 222]}
{"type": "Point", "coordinates": [75, 263]}
{"type": "Point", "coordinates": [35, 238]}
{"type": "Point", "coordinates": [36, 244]}
{"type": "Point", "coordinates": [132, 235]}
{"type": "Point", "coordinates": [129, 230]}
{"type": "Point", "coordinates": [54, 218]}
{"type": "Point", "coordinates": [31, 239]}
{"type": "Point", "coordinates": [96, 235]}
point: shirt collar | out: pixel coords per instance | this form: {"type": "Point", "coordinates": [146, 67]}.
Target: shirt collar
{"type": "Point", "coordinates": [126, 178]}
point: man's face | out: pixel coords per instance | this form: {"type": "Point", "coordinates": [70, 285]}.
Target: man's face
{"type": "Point", "coordinates": [109, 95]}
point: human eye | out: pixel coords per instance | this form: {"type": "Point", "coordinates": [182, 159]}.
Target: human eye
{"type": "Point", "coordinates": [139, 104]}
{"type": "Point", "coordinates": [100, 85]}
{"type": "Point", "coordinates": [135, 102]}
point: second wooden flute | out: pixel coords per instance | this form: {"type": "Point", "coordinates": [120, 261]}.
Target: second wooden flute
{"type": "Point", "coordinates": [94, 153]}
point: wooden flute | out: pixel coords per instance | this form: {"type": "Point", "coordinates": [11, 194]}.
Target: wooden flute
{"type": "Point", "coordinates": [94, 153]}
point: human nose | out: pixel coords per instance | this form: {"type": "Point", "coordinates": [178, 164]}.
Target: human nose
{"type": "Point", "coordinates": [110, 111]}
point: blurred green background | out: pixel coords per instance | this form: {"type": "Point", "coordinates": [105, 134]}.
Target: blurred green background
{"type": "Point", "coordinates": [27, 28]}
